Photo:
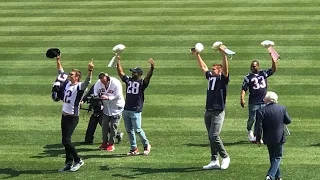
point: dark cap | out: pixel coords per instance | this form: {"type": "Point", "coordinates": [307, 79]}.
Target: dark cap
{"type": "Point", "coordinates": [102, 74]}
{"type": "Point", "coordinates": [53, 52]}
{"type": "Point", "coordinates": [136, 70]}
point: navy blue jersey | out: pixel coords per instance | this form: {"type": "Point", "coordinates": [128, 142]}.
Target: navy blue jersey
{"type": "Point", "coordinates": [134, 93]}
{"type": "Point", "coordinates": [217, 91]}
{"type": "Point", "coordinates": [257, 85]}
{"type": "Point", "coordinates": [57, 92]}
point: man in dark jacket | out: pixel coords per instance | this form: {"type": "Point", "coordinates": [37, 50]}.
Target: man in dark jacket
{"type": "Point", "coordinates": [271, 121]}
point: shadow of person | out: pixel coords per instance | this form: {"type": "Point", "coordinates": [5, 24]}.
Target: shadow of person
{"type": "Point", "coordinates": [143, 171]}
{"type": "Point", "coordinates": [55, 150]}
{"type": "Point", "coordinates": [11, 173]}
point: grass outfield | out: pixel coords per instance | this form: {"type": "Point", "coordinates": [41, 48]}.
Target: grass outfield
{"type": "Point", "coordinates": [173, 114]}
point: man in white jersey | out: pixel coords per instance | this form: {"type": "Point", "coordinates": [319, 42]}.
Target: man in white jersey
{"type": "Point", "coordinates": [109, 89]}
{"type": "Point", "coordinates": [73, 92]}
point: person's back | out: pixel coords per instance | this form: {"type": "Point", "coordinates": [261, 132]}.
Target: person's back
{"type": "Point", "coordinates": [273, 119]}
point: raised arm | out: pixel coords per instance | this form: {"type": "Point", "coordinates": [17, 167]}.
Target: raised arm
{"type": "Point", "coordinates": [119, 68]}
{"type": "Point", "coordinates": [87, 81]}
{"type": "Point", "coordinates": [225, 64]}
{"type": "Point", "coordinates": [201, 64]}
{"type": "Point", "coordinates": [274, 65]}
{"type": "Point", "coordinates": [59, 65]}
{"type": "Point", "coordinates": [150, 72]}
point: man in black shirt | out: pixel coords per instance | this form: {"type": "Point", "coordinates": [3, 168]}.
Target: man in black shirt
{"type": "Point", "coordinates": [135, 87]}
{"type": "Point", "coordinates": [218, 79]}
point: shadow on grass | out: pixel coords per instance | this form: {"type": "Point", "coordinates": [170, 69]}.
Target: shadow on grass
{"type": "Point", "coordinates": [315, 145]}
{"type": "Point", "coordinates": [11, 173]}
{"type": "Point", "coordinates": [55, 150]}
{"type": "Point", "coordinates": [224, 143]}
{"type": "Point", "coordinates": [144, 171]}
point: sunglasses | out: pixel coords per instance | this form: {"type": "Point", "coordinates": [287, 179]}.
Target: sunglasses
{"type": "Point", "coordinates": [72, 74]}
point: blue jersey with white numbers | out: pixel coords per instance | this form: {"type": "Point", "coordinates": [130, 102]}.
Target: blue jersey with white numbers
{"type": "Point", "coordinates": [216, 91]}
{"type": "Point", "coordinates": [257, 85]}
{"type": "Point", "coordinates": [134, 93]}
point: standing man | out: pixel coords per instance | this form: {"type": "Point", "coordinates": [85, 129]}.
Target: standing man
{"type": "Point", "coordinates": [95, 105]}
{"type": "Point", "coordinates": [270, 122]}
{"type": "Point", "coordinates": [135, 87]}
{"type": "Point", "coordinates": [218, 79]}
{"type": "Point", "coordinates": [109, 89]}
{"type": "Point", "coordinates": [256, 82]}
{"type": "Point", "coordinates": [73, 92]}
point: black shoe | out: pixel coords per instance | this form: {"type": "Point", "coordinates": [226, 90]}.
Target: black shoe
{"type": "Point", "coordinates": [67, 167]}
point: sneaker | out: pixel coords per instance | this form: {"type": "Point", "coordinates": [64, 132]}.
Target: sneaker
{"type": "Point", "coordinates": [250, 135]}
{"type": "Point", "coordinates": [146, 150]}
{"type": "Point", "coordinates": [119, 137]}
{"type": "Point", "coordinates": [103, 146]}
{"type": "Point", "coordinates": [67, 167]}
{"type": "Point", "coordinates": [77, 166]}
{"type": "Point", "coordinates": [278, 178]}
{"type": "Point", "coordinates": [225, 162]}
{"type": "Point", "coordinates": [268, 178]}
{"type": "Point", "coordinates": [212, 165]}
{"type": "Point", "coordinates": [110, 147]}
{"type": "Point", "coordinates": [133, 152]}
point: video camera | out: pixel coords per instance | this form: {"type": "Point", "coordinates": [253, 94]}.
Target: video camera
{"type": "Point", "coordinates": [95, 103]}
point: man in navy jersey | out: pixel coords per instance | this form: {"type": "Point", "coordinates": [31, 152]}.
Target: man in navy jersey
{"type": "Point", "coordinates": [135, 87]}
{"type": "Point", "coordinates": [73, 92]}
{"type": "Point", "coordinates": [256, 82]}
{"type": "Point", "coordinates": [218, 79]}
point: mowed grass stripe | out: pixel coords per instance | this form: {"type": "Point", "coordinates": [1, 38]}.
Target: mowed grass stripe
{"type": "Point", "coordinates": [176, 27]}
{"type": "Point", "coordinates": [146, 19]}
{"type": "Point", "coordinates": [154, 38]}
{"type": "Point", "coordinates": [114, 11]}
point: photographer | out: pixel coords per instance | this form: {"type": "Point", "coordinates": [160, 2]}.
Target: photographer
{"type": "Point", "coordinates": [95, 105]}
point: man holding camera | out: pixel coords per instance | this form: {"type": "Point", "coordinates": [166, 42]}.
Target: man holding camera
{"type": "Point", "coordinates": [109, 89]}
{"type": "Point", "coordinates": [95, 105]}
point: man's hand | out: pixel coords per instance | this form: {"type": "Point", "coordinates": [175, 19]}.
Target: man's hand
{"type": "Point", "coordinates": [90, 65]}
{"type": "Point", "coordinates": [58, 58]}
{"type": "Point", "coordinates": [193, 51]}
{"type": "Point", "coordinates": [242, 103]}
{"type": "Point", "coordinates": [104, 97]}
{"type": "Point", "coordinates": [151, 61]}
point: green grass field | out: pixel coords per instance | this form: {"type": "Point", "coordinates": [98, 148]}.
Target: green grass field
{"type": "Point", "coordinates": [30, 133]}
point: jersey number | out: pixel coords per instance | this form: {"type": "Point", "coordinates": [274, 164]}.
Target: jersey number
{"type": "Point", "coordinates": [211, 83]}
{"type": "Point", "coordinates": [67, 95]}
{"type": "Point", "coordinates": [133, 87]}
{"type": "Point", "coordinates": [258, 82]}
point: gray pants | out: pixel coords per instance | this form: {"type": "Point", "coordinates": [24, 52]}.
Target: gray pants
{"type": "Point", "coordinates": [109, 128]}
{"type": "Point", "coordinates": [213, 121]}
{"type": "Point", "coordinates": [252, 108]}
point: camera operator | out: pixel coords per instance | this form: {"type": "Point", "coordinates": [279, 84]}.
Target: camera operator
{"type": "Point", "coordinates": [109, 89]}
{"type": "Point", "coordinates": [95, 105]}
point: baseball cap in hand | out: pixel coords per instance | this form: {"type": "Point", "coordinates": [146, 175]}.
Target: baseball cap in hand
{"type": "Point", "coordinates": [53, 52]}
{"type": "Point", "coordinates": [136, 70]}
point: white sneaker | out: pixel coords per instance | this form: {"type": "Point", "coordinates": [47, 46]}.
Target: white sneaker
{"type": "Point", "coordinates": [225, 162]}
{"type": "Point", "coordinates": [77, 166]}
{"type": "Point", "coordinates": [212, 165]}
{"type": "Point", "coordinates": [250, 135]}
